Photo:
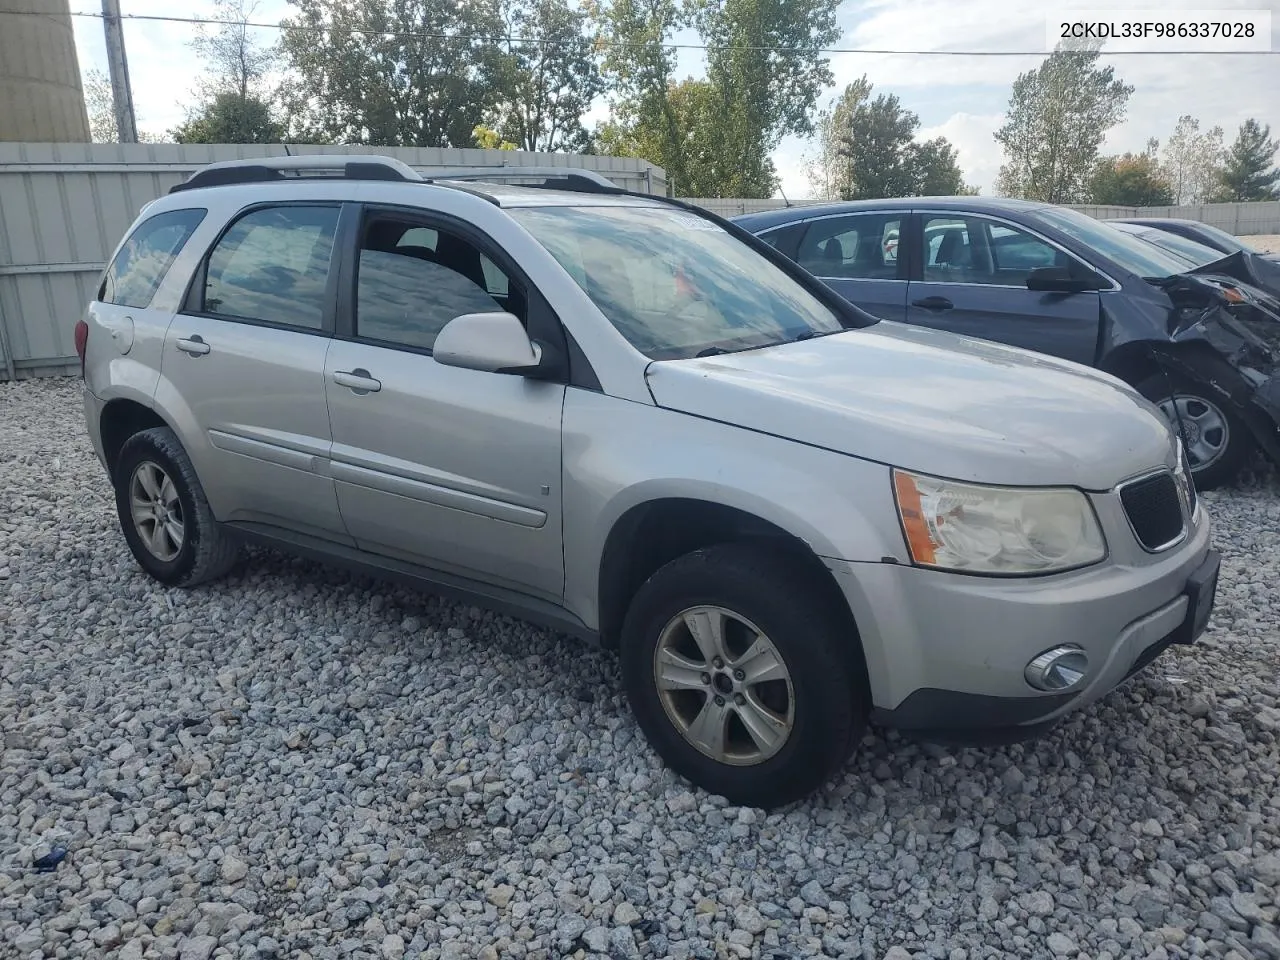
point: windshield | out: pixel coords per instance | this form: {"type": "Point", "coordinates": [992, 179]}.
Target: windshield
{"type": "Point", "coordinates": [1196, 253]}
{"type": "Point", "coordinates": [675, 284]}
{"type": "Point", "coordinates": [1126, 251]}
{"type": "Point", "coordinates": [1227, 240]}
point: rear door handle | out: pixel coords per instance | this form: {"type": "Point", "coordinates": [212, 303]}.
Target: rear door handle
{"type": "Point", "coordinates": [359, 380]}
{"type": "Point", "coordinates": [933, 303]}
{"type": "Point", "coordinates": [193, 345]}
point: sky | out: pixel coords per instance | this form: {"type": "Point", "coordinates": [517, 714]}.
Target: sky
{"type": "Point", "coordinates": [961, 98]}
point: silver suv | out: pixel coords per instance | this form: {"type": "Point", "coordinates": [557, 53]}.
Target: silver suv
{"type": "Point", "coordinates": [631, 421]}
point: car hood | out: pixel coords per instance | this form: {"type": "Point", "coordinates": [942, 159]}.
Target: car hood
{"type": "Point", "coordinates": [931, 402]}
{"type": "Point", "coordinates": [1251, 268]}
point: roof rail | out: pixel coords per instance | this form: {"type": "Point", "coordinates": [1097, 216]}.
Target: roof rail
{"type": "Point", "coordinates": [577, 179]}
{"type": "Point", "coordinates": [319, 166]}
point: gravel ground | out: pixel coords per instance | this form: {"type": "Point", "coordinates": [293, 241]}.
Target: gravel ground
{"type": "Point", "coordinates": [1267, 242]}
{"type": "Point", "coordinates": [298, 763]}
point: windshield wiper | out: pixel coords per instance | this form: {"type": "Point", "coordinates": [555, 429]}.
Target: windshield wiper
{"type": "Point", "coordinates": [710, 352]}
{"type": "Point", "coordinates": [811, 334]}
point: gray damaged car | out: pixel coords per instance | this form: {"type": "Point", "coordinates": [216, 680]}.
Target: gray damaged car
{"type": "Point", "coordinates": [1059, 282]}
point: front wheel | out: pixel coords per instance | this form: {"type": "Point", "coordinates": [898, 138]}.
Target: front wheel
{"type": "Point", "coordinates": [742, 677]}
{"type": "Point", "coordinates": [1216, 440]}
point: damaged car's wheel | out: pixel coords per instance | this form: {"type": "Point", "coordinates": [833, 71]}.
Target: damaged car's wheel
{"type": "Point", "coordinates": [1216, 440]}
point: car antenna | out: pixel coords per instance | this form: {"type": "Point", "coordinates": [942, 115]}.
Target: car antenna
{"type": "Point", "coordinates": [784, 197]}
{"type": "Point", "coordinates": [287, 151]}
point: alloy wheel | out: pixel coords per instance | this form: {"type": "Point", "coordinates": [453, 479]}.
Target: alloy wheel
{"type": "Point", "coordinates": [724, 685]}
{"type": "Point", "coordinates": [156, 511]}
{"type": "Point", "coordinates": [1205, 430]}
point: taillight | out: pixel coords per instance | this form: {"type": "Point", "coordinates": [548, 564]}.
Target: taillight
{"type": "Point", "coordinates": [82, 342]}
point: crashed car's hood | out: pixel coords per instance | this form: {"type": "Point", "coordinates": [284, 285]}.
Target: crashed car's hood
{"type": "Point", "coordinates": [1250, 268]}
{"type": "Point", "coordinates": [932, 402]}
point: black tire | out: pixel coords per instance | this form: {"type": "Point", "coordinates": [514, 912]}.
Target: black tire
{"type": "Point", "coordinates": [818, 647]}
{"type": "Point", "coordinates": [208, 551]}
{"type": "Point", "coordinates": [1238, 441]}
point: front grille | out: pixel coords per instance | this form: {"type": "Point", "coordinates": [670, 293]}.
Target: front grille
{"type": "Point", "coordinates": [1154, 508]}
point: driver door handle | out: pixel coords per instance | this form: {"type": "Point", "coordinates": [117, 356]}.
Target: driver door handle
{"type": "Point", "coordinates": [359, 380]}
{"type": "Point", "coordinates": [933, 303]}
{"type": "Point", "coordinates": [193, 345]}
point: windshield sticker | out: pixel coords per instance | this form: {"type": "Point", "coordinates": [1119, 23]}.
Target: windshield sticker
{"type": "Point", "coordinates": [695, 223]}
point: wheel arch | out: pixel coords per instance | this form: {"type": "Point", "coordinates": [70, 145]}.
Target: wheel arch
{"type": "Point", "coordinates": [121, 418]}
{"type": "Point", "coordinates": [652, 533]}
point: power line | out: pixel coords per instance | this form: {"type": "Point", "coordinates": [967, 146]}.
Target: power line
{"type": "Point", "coordinates": [506, 38]}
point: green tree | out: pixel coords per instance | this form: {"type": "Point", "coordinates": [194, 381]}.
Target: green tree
{"type": "Point", "coordinates": [551, 80]}
{"type": "Point", "coordinates": [1192, 161]}
{"type": "Point", "coordinates": [1058, 115]}
{"type": "Point", "coordinates": [826, 166]}
{"type": "Point", "coordinates": [639, 67]}
{"type": "Point", "coordinates": [714, 136]}
{"type": "Point", "coordinates": [1249, 172]}
{"type": "Point", "coordinates": [763, 62]}
{"type": "Point", "coordinates": [100, 105]}
{"type": "Point", "coordinates": [869, 150]}
{"type": "Point", "coordinates": [935, 169]}
{"type": "Point", "coordinates": [232, 104]}
{"type": "Point", "coordinates": [1131, 180]}
{"type": "Point", "coordinates": [227, 118]}
{"type": "Point", "coordinates": [392, 72]}
{"type": "Point", "coordinates": [486, 138]}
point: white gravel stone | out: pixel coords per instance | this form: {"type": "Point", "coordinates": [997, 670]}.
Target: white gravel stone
{"type": "Point", "coordinates": [234, 869]}
{"type": "Point", "coordinates": [1061, 944]}
{"type": "Point", "coordinates": [402, 776]}
{"type": "Point", "coordinates": [597, 939]}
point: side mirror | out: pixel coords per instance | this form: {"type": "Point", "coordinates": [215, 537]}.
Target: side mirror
{"type": "Point", "coordinates": [492, 342]}
{"type": "Point", "coordinates": [1062, 280]}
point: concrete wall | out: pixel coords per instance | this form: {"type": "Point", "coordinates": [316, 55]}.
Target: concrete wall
{"type": "Point", "coordinates": [40, 95]}
{"type": "Point", "coordinates": [64, 207]}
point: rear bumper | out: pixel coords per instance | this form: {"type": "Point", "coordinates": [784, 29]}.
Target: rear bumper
{"type": "Point", "coordinates": [947, 655]}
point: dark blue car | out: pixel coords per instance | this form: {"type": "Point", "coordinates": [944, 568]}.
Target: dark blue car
{"type": "Point", "coordinates": [1196, 342]}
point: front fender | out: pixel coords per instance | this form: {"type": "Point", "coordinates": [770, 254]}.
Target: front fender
{"type": "Point", "coordinates": [619, 455]}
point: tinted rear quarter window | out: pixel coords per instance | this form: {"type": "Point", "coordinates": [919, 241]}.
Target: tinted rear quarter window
{"type": "Point", "coordinates": [135, 274]}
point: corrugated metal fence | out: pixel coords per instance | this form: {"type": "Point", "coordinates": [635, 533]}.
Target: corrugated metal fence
{"type": "Point", "coordinates": [64, 207]}
{"type": "Point", "coordinates": [1239, 219]}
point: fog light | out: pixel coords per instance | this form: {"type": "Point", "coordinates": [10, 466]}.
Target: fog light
{"type": "Point", "coordinates": [1058, 670]}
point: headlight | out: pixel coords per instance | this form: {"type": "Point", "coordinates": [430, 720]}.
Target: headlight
{"type": "Point", "coordinates": [996, 530]}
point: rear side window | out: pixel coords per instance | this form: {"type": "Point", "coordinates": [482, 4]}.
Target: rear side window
{"type": "Point", "coordinates": [135, 274]}
{"type": "Point", "coordinates": [272, 266]}
{"type": "Point", "coordinates": [861, 247]}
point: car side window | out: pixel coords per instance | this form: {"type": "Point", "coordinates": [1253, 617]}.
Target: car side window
{"type": "Point", "coordinates": [407, 289]}
{"type": "Point", "coordinates": [135, 274]}
{"type": "Point", "coordinates": [1015, 253]}
{"type": "Point", "coordinates": [856, 247]}
{"type": "Point", "coordinates": [272, 266]}
{"type": "Point", "coordinates": [949, 252]}
{"type": "Point", "coordinates": [977, 250]}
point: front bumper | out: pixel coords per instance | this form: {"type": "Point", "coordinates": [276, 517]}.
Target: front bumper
{"type": "Point", "coordinates": [946, 654]}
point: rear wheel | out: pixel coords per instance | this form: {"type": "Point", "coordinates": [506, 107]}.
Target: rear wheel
{"type": "Point", "coordinates": [741, 676]}
{"type": "Point", "coordinates": [164, 515]}
{"type": "Point", "coordinates": [1216, 440]}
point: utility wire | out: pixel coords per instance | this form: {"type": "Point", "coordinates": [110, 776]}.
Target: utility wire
{"type": "Point", "coordinates": [503, 38]}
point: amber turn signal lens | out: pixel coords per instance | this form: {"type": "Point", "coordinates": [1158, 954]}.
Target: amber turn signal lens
{"type": "Point", "coordinates": [914, 525]}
